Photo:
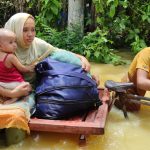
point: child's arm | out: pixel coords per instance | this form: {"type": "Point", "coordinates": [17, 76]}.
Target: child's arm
{"type": "Point", "coordinates": [22, 90]}
{"type": "Point", "coordinates": [13, 61]}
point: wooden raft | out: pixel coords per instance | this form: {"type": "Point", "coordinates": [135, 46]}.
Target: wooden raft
{"type": "Point", "coordinates": [92, 122]}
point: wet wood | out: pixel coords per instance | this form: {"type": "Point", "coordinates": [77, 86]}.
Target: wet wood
{"type": "Point", "coordinates": [91, 123]}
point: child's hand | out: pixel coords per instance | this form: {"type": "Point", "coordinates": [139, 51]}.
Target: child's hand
{"type": "Point", "coordinates": [31, 68]}
{"type": "Point", "coordinates": [21, 90]}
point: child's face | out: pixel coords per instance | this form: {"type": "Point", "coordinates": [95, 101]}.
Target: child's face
{"type": "Point", "coordinates": [29, 31]}
{"type": "Point", "coordinates": [8, 43]}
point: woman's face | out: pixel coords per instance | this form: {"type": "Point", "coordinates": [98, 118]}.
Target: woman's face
{"type": "Point", "coordinates": [29, 31]}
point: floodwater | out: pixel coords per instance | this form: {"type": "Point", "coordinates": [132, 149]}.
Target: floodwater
{"type": "Point", "coordinates": [120, 133]}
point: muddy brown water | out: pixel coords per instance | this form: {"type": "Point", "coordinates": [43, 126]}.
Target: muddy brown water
{"type": "Point", "coordinates": [120, 133]}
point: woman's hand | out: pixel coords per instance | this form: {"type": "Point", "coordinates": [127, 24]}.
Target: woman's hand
{"type": "Point", "coordinates": [22, 90]}
{"type": "Point", "coordinates": [95, 77]}
{"type": "Point", "coordinates": [84, 62]}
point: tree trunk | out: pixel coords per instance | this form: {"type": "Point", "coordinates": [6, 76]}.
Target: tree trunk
{"type": "Point", "coordinates": [76, 14]}
{"type": "Point", "coordinates": [93, 17]}
{"type": "Point", "coordinates": [64, 14]}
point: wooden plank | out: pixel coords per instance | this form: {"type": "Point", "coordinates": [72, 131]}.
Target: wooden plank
{"type": "Point", "coordinates": [89, 126]}
{"type": "Point", "coordinates": [91, 116]}
{"type": "Point", "coordinates": [80, 117]}
{"type": "Point", "coordinates": [101, 116]}
{"type": "Point", "coordinates": [62, 126]}
{"type": "Point", "coordinates": [94, 122]}
{"type": "Point", "coordinates": [102, 112]}
{"type": "Point", "coordinates": [98, 117]}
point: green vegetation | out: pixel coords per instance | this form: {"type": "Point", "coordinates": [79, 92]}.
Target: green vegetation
{"type": "Point", "coordinates": [109, 25]}
{"type": "Point", "coordinates": [126, 21]}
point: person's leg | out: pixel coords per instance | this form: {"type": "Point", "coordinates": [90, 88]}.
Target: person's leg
{"type": "Point", "coordinates": [10, 101]}
{"type": "Point", "coordinates": [12, 85]}
{"type": "Point", "coordinates": [14, 135]}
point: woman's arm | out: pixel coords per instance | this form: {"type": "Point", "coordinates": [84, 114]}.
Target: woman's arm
{"type": "Point", "coordinates": [143, 82]}
{"type": "Point", "coordinates": [22, 90]}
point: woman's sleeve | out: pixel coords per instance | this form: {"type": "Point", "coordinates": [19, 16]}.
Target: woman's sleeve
{"type": "Point", "coordinates": [43, 50]}
{"type": "Point", "coordinates": [143, 60]}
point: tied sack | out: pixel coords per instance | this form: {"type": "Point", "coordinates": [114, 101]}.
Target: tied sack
{"type": "Point", "coordinates": [63, 90]}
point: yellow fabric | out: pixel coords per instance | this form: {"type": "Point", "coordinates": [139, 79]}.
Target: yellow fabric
{"type": "Point", "coordinates": [13, 116]}
{"type": "Point", "coordinates": [17, 115]}
{"type": "Point", "coordinates": [141, 61]}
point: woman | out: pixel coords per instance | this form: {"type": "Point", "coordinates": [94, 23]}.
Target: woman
{"type": "Point", "coordinates": [30, 50]}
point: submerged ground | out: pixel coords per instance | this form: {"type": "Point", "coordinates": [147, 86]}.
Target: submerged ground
{"type": "Point", "coordinates": [120, 134]}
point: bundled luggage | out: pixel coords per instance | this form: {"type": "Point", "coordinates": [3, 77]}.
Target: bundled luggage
{"type": "Point", "coordinates": [63, 90]}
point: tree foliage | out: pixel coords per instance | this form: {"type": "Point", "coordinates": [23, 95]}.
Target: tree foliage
{"type": "Point", "coordinates": [109, 24]}
{"type": "Point", "coordinates": [127, 22]}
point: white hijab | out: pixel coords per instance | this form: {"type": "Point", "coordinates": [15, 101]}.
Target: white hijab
{"type": "Point", "coordinates": [37, 51]}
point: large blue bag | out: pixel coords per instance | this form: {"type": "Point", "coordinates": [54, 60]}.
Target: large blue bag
{"type": "Point", "coordinates": [63, 90]}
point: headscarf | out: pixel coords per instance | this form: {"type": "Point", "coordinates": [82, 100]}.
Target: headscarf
{"type": "Point", "coordinates": [38, 48]}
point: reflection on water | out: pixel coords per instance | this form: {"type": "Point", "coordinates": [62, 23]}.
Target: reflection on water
{"type": "Point", "coordinates": [108, 72]}
{"type": "Point", "coordinates": [120, 134]}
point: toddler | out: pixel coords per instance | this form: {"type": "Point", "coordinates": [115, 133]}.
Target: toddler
{"type": "Point", "coordinates": [10, 67]}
